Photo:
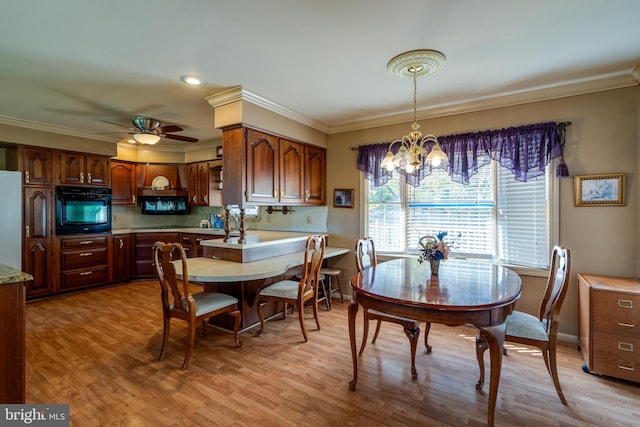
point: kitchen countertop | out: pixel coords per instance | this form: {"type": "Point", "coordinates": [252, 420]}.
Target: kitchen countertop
{"type": "Point", "coordinates": [259, 238]}
{"type": "Point", "coordinates": [11, 275]}
{"type": "Point", "coordinates": [170, 229]}
{"type": "Point", "coordinates": [217, 270]}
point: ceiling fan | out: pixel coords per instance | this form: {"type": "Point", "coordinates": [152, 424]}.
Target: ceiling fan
{"type": "Point", "coordinates": [148, 131]}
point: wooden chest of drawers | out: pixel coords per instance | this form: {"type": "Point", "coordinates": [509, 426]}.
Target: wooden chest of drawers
{"type": "Point", "coordinates": [610, 325]}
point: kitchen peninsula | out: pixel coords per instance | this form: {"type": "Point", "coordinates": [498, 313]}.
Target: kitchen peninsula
{"type": "Point", "coordinates": [12, 334]}
{"type": "Point", "coordinates": [241, 269]}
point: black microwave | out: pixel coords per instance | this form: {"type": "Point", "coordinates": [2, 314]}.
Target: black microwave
{"type": "Point", "coordinates": [81, 210]}
{"type": "Point", "coordinates": [165, 205]}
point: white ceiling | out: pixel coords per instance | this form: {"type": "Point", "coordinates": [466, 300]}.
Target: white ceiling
{"type": "Point", "coordinates": [66, 65]}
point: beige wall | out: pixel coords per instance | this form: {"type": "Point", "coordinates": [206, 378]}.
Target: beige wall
{"type": "Point", "coordinates": [603, 138]}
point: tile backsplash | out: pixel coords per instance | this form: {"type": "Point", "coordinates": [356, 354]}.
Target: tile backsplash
{"type": "Point", "coordinates": [299, 218]}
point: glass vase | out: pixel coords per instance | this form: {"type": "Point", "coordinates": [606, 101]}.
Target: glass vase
{"type": "Point", "coordinates": [435, 266]}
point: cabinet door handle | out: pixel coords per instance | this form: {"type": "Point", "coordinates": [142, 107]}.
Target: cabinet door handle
{"type": "Point", "coordinates": [306, 195]}
{"type": "Point", "coordinates": [86, 273]}
{"type": "Point", "coordinates": [625, 346]}
{"type": "Point", "coordinates": [27, 231]}
{"type": "Point", "coordinates": [133, 199]}
{"type": "Point", "coordinates": [26, 177]}
{"type": "Point", "coordinates": [82, 177]}
{"type": "Point", "coordinates": [626, 368]}
{"type": "Point", "coordinates": [275, 194]}
{"type": "Point", "coordinates": [206, 198]}
{"type": "Point", "coordinates": [121, 244]}
{"type": "Point", "coordinates": [89, 177]}
{"type": "Point", "coordinates": [626, 325]}
{"type": "Point", "coordinates": [86, 242]}
{"type": "Point", "coordinates": [625, 303]}
{"type": "Point", "coordinates": [282, 194]}
{"type": "Point", "coordinates": [86, 254]}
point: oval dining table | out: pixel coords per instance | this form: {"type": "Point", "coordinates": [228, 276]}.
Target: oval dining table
{"type": "Point", "coordinates": [463, 292]}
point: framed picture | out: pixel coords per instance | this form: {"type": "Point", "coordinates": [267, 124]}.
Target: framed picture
{"type": "Point", "coordinates": [599, 190]}
{"type": "Point", "coordinates": [219, 152]}
{"type": "Point", "coordinates": [342, 198]}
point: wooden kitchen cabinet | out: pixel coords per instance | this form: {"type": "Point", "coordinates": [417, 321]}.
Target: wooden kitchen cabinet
{"type": "Point", "coordinates": [315, 175]}
{"type": "Point", "coordinates": [84, 261]}
{"type": "Point", "coordinates": [609, 325]}
{"type": "Point", "coordinates": [37, 221]}
{"type": "Point", "coordinates": [123, 183]}
{"type": "Point", "coordinates": [263, 163]}
{"type": "Point", "coordinates": [121, 257]}
{"type": "Point", "coordinates": [204, 183]}
{"type": "Point", "coordinates": [279, 171]}
{"type": "Point", "coordinates": [36, 165]}
{"type": "Point", "coordinates": [12, 337]}
{"type": "Point", "coordinates": [83, 169]}
{"type": "Point", "coordinates": [143, 267]}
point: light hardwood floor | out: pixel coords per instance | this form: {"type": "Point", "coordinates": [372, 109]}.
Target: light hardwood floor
{"type": "Point", "coordinates": [97, 351]}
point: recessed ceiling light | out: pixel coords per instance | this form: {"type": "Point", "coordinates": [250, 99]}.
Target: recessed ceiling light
{"type": "Point", "coordinates": [193, 80]}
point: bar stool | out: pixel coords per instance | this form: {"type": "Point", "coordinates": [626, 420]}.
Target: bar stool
{"type": "Point", "coordinates": [323, 289]}
{"type": "Point", "coordinates": [329, 274]}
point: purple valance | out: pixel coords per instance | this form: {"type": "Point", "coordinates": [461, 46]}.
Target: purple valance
{"type": "Point", "coordinates": [524, 150]}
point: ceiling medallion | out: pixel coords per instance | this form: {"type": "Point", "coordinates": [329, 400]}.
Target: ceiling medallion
{"type": "Point", "coordinates": [418, 63]}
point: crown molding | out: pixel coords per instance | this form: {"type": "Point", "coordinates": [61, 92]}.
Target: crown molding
{"type": "Point", "coordinates": [608, 82]}
{"type": "Point", "coordinates": [238, 93]}
{"type": "Point", "coordinates": [12, 121]}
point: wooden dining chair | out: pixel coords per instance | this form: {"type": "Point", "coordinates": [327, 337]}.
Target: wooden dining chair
{"type": "Point", "coordinates": [297, 292]}
{"type": "Point", "coordinates": [366, 257]}
{"type": "Point", "coordinates": [178, 301]}
{"type": "Point", "coordinates": [539, 331]}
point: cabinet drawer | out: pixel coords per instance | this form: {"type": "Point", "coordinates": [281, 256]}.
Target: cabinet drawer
{"type": "Point", "coordinates": [87, 258]}
{"type": "Point", "coordinates": [616, 356]}
{"type": "Point", "coordinates": [81, 278]}
{"type": "Point", "coordinates": [83, 242]}
{"type": "Point", "coordinates": [616, 313]}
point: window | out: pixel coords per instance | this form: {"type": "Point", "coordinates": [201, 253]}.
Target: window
{"type": "Point", "coordinates": [498, 218]}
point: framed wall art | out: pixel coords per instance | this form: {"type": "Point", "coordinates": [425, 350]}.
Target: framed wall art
{"type": "Point", "coordinates": [219, 152]}
{"type": "Point", "coordinates": [599, 190]}
{"type": "Point", "coordinates": [342, 198]}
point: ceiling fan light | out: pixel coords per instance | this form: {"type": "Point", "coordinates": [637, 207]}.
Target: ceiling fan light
{"type": "Point", "coordinates": [146, 138]}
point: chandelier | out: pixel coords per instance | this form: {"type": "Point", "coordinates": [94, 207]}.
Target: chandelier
{"type": "Point", "coordinates": [412, 151]}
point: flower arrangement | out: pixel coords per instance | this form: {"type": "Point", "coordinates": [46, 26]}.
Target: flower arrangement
{"type": "Point", "coordinates": [434, 247]}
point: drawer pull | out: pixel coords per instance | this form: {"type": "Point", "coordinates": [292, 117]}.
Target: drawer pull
{"type": "Point", "coordinates": [86, 273]}
{"type": "Point", "coordinates": [625, 346]}
{"type": "Point", "coordinates": [626, 325]}
{"type": "Point", "coordinates": [625, 303]}
{"type": "Point", "coordinates": [86, 242]}
{"type": "Point", "coordinates": [86, 254]}
{"type": "Point", "coordinates": [626, 368]}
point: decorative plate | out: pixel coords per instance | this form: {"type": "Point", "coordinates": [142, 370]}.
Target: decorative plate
{"type": "Point", "coordinates": [160, 182]}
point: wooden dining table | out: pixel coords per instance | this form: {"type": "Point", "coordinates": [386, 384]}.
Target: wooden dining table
{"type": "Point", "coordinates": [463, 292]}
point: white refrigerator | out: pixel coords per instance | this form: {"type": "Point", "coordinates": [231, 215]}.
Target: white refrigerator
{"type": "Point", "coordinates": [11, 219]}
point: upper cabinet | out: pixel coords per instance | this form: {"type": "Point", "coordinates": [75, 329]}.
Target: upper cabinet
{"type": "Point", "coordinates": [36, 164]}
{"type": "Point", "coordinates": [316, 175]}
{"type": "Point", "coordinates": [123, 183]}
{"type": "Point", "coordinates": [204, 183]}
{"type": "Point", "coordinates": [279, 171]}
{"type": "Point", "coordinates": [83, 169]}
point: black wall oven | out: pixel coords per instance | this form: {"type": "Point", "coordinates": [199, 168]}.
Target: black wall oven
{"type": "Point", "coordinates": [81, 210]}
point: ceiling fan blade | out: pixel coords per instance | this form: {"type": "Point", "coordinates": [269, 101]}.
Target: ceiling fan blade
{"type": "Point", "coordinates": [180, 138]}
{"type": "Point", "coordinates": [117, 124]}
{"type": "Point", "coordinates": [169, 128]}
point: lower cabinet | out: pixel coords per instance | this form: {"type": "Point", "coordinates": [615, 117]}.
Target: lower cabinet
{"type": "Point", "coordinates": [143, 252]}
{"type": "Point", "coordinates": [121, 257]}
{"type": "Point", "coordinates": [84, 261]}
